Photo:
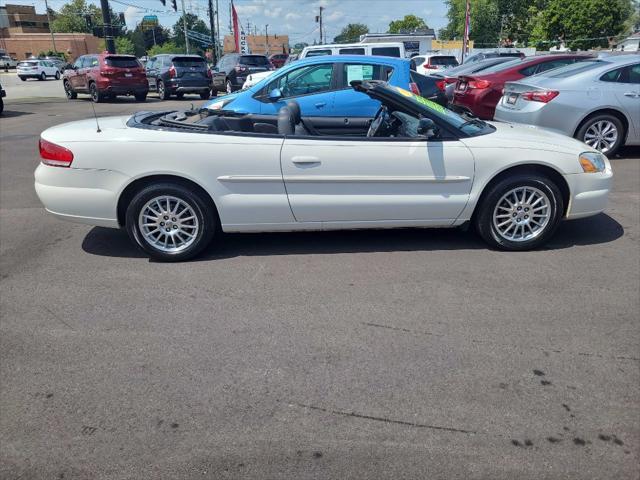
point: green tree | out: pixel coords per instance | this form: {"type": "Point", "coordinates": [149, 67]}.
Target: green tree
{"type": "Point", "coordinates": [71, 17]}
{"type": "Point", "coordinates": [410, 23]}
{"type": "Point", "coordinates": [485, 22]}
{"type": "Point", "coordinates": [351, 33]}
{"type": "Point", "coordinates": [125, 46]}
{"type": "Point", "coordinates": [193, 23]}
{"type": "Point", "coordinates": [167, 47]}
{"type": "Point", "coordinates": [581, 24]}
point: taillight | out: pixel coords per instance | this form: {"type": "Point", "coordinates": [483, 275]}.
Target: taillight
{"type": "Point", "coordinates": [55, 155]}
{"type": "Point", "coordinates": [544, 96]}
{"type": "Point", "coordinates": [172, 72]}
{"type": "Point", "coordinates": [209, 73]}
{"type": "Point", "coordinates": [414, 88]}
{"type": "Point", "coordinates": [430, 67]}
{"type": "Point", "coordinates": [107, 72]}
{"type": "Point", "coordinates": [450, 80]}
{"type": "Point", "coordinates": [479, 84]}
{"type": "Point", "coordinates": [441, 84]}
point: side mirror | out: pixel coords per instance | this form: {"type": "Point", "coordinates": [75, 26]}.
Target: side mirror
{"type": "Point", "coordinates": [275, 95]}
{"type": "Point", "coordinates": [427, 127]}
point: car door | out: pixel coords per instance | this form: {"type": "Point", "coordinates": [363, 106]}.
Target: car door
{"type": "Point", "coordinates": [625, 84]}
{"type": "Point", "coordinates": [83, 73]}
{"type": "Point", "coordinates": [73, 73]}
{"type": "Point", "coordinates": [354, 110]}
{"type": "Point", "coordinates": [389, 181]}
{"type": "Point", "coordinates": [313, 87]}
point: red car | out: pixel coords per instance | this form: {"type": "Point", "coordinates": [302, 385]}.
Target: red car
{"type": "Point", "coordinates": [278, 59]}
{"type": "Point", "coordinates": [105, 75]}
{"type": "Point", "coordinates": [481, 93]}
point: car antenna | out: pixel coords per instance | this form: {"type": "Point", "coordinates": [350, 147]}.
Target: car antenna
{"type": "Point", "coordinates": [96, 117]}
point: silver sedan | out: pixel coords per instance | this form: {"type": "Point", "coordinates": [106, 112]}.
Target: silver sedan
{"type": "Point", "coordinates": [596, 101]}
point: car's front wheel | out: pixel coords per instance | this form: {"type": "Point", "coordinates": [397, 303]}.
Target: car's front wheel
{"type": "Point", "coordinates": [141, 97]}
{"type": "Point", "coordinates": [68, 90]}
{"type": "Point", "coordinates": [205, 95]}
{"type": "Point", "coordinates": [170, 222]}
{"type": "Point", "coordinates": [520, 212]}
{"type": "Point", "coordinates": [603, 132]}
{"type": "Point", "coordinates": [229, 87]}
{"type": "Point", "coordinates": [24, 79]}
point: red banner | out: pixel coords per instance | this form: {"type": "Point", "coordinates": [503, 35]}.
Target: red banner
{"type": "Point", "coordinates": [236, 30]}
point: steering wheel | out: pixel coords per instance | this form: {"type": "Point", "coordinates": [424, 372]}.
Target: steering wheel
{"type": "Point", "coordinates": [377, 122]}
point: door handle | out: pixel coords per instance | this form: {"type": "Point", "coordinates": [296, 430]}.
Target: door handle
{"type": "Point", "coordinates": [632, 94]}
{"type": "Point", "coordinates": [303, 161]}
{"type": "Point", "coordinates": [320, 104]}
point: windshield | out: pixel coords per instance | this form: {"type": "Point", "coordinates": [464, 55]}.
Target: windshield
{"type": "Point", "coordinates": [254, 60]}
{"type": "Point", "coordinates": [502, 66]}
{"type": "Point", "coordinates": [471, 127]}
{"type": "Point", "coordinates": [443, 61]}
{"type": "Point", "coordinates": [572, 69]}
{"type": "Point", "coordinates": [122, 62]}
{"type": "Point", "coordinates": [188, 62]}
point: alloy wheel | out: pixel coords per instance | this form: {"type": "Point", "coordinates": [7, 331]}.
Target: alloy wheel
{"type": "Point", "coordinates": [67, 89]}
{"type": "Point", "coordinates": [229, 87]}
{"type": "Point", "coordinates": [522, 214]}
{"type": "Point", "coordinates": [601, 135]}
{"type": "Point", "coordinates": [168, 224]}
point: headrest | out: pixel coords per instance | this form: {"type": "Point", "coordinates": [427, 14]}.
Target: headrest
{"type": "Point", "coordinates": [286, 126]}
{"type": "Point", "coordinates": [295, 111]}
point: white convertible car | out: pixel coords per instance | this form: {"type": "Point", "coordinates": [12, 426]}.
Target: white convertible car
{"type": "Point", "coordinates": [174, 180]}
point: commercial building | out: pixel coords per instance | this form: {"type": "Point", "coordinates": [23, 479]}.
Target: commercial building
{"type": "Point", "coordinates": [260, 44]}
{"type": "Point", "coordinates": [24, 33]}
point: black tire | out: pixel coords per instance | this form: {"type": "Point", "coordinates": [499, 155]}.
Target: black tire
{"type": "Point", "coordinates": [205, 95]}
{"type": "Point", "coordinates": [1, 105]}
{"type": "Point", "coordinates": [96, 96]}
{"type": "Point", "coordinates": [57, 75]}
{"type": "Point", "coordinates": [205, 214]}
{"type": "Point", "coordinates": [603, 117]}
{"type": "Point", "coordinates": [163, 93]}
{"type": "Point", "coordinates": [229, 87]}
{"type": "Point", "coordinates": [24, 79]}
{"type": "Point", "coordinates": [42, 76]}
{"type": "Point", "coordinates": [68, 90]}
{"type": "Point", "coordinates": [141, 97]}
{"type": "Point", "coordinates": [484, 218]}
{"type": "Point", "coordinates": [179, 96]}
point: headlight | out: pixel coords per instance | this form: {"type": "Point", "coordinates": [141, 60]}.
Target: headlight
{"type": "Point", "coordinates": [592, 162]}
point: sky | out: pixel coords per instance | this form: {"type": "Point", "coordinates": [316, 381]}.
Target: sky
{"type": "Point", "coordinates": [295, 18]}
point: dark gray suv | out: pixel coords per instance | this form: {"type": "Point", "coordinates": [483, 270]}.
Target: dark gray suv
{"type": "Point", "coordinates": [231, 71]}
{"type": "Point", "coordinates": [170, 74]}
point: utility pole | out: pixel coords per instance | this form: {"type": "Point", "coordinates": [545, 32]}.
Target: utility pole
{"type": "Point", "coordinates": [214, 54]}
{"type": "Point", "coordinates": [53, 40]}
{"type": "Point", "coordinates": [184, 26]}
{"type": "Point", "coordinates": [106, 20]}
{"type": "Point", "coordinates": [217, 27]}
{"type": "Point", "coordinates": [266, 37]}
{"type": "Point", "coordinates": [319, 20]}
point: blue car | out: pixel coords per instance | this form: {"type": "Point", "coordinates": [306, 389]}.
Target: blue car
{"type": "Point", "coordinates": [321, 87]}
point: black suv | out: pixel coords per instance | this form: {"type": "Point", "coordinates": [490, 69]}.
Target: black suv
{"type": "Point", "coordinates": [231, 71]}
{"type": "Point", "coordinates": [178, 74]}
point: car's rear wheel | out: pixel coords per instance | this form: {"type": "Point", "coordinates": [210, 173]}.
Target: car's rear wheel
{"type": "Point", "coordinates": [229, 87]}
{"type": "Point", "coordinates": [69, 91]}
{"type": "Point", "coordinates": [57, 75]}
{"type": "Point", "coordinates": [205, 95]}
{"type": "Point", "coordinates": [520, 212]}
{"type": "Point", "coordinates": [96, 96]}
{"type": "Point", "coordinates": [179, 96]}
{"type": "Point", "coordinates": [43, 76]}
{"type": "Point", "coordinates": [141, 97]}
{"type": "Point", "coordinates": [170, 222]}
{"type": "Point", "coordinates": [603, 132]}
{"type": "Point", "coordinates": [162, 91]}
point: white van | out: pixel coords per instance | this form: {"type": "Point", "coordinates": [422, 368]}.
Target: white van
{"type": "Point", "coordinates": [395, 49]}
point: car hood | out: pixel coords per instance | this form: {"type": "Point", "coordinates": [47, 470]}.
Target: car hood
{"type": "Point", "coordinates": [224, 98]}
{"type": "Point", "coordinates": [516, 135]}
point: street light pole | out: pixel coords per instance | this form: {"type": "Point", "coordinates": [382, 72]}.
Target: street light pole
{"type": "Point", "coordinates": [184, 26]}
{"type": "Point", "coordinates": [53, 39]}
{"type": "Point", "coordinates": [266, 38]}
{"type": "Point", "coordinates": [214, 54]}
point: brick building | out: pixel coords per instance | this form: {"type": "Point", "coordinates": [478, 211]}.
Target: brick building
{"type": "Point", "coordinates": [24, 33]}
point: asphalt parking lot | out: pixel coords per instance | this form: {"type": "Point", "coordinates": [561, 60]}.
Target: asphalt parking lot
{"type": "Point", "coordinates": [368, 354]}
